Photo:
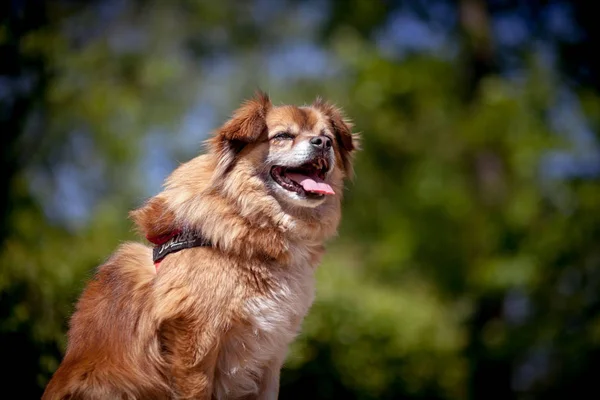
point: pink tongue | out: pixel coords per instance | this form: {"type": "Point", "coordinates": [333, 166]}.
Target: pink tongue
{"type": "Point", "coordinates": [312, 184]}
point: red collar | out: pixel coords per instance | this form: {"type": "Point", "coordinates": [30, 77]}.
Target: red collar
{"type": "Point", "coordinates": [174, 241]}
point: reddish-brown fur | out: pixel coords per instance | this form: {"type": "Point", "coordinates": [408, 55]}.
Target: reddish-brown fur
{"type": "Point", "coordinates": [212, 322]}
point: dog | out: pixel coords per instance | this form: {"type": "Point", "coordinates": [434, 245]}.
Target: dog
{"type": "Point", "coordinates": [208, 311]}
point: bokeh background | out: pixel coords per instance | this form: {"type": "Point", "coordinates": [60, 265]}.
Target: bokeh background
{"type": "Point", "coordinates": [467, 264]}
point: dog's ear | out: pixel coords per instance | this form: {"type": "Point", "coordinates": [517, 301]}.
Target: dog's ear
{"type": "Point", "coordinates": [342, 129]}
{"type": "Point", "coordinates": [246, 126]}
{"type": "Point", "coordinates": [154, 220]}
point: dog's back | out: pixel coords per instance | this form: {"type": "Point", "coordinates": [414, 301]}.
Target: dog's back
{"type": "Point", "coordinates": [119, 357]}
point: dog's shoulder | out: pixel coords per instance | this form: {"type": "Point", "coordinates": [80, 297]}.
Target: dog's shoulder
{"type": "Point", "coordinates": [133, 260]}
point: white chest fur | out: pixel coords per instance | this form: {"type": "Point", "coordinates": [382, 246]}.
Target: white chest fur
{"type": "Point", "coordinates": [273, 320]}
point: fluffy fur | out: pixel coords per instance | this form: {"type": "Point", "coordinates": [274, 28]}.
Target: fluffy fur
{"type": "Point", "coordinates": [213, 322]}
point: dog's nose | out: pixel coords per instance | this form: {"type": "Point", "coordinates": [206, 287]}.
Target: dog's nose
{"type": "Point", "coordinates": [321, 142]}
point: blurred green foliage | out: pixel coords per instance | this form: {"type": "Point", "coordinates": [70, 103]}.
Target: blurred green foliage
{"type": "Point", "coordinates": [463, 269]}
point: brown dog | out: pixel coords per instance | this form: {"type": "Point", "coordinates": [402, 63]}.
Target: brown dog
{"type": "Point", "coordinates": [238, 232]}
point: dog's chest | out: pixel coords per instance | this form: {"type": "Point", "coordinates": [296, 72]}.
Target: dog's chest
{"type": "Point", "coordinates": [271, 321]}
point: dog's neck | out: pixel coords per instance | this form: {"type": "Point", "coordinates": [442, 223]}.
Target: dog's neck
{"type": "Point", "coordinates": [244, 219]}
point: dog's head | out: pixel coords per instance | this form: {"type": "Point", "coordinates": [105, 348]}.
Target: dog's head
{"type": "Point", "coordinates": [266, 163]}
{"type": "Point", "coordinates": [301, 153]}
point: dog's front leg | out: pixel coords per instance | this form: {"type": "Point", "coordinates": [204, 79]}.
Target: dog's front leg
{"type": "Point", "coordinates": [192, 357]}
{"type": "Point", "coordinates": [269, 385]}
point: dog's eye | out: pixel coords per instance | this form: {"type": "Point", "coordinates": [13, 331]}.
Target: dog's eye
{"type": "Point", "coordinates": [284, 136]}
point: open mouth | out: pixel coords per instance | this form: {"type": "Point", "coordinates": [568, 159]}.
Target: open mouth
{"type": "Point", "coordinates": [306, 180]}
